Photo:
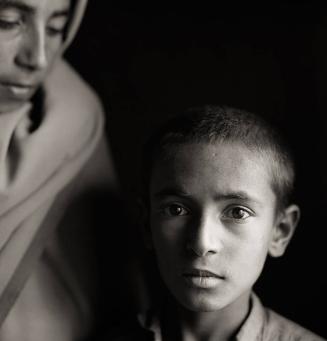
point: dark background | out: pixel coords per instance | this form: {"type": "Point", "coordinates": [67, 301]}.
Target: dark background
{"type": "Point", "coordinates": [146, 62]}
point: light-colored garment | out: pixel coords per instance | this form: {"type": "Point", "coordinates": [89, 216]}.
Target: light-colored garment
{"type": "Point", "coordinates": [262, 324]}
{"type": "Point", "coordinates": [42, 172]}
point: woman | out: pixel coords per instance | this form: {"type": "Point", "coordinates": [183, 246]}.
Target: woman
{"type": "Point", "coordinates": [52, 152]}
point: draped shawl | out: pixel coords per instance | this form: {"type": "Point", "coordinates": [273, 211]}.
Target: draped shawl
{"type": "Point", "coordinates": [37, 165]}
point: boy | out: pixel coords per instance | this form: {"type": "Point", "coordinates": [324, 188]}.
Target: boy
{"type": "Point", "coordinates": [218, 185]}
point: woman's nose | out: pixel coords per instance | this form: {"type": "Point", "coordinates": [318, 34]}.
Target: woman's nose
{"type": "Point", "coordinates": [204, 238]}
{"type": "Point", "coordinates": [32, 53]}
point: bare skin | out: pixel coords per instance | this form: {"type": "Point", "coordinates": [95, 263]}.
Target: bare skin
{"type": "Point", "coordinates": [213, 222]}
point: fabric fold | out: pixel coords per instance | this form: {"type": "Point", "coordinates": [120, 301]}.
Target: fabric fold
{"type": "Point", "coordinates": [42, 171]}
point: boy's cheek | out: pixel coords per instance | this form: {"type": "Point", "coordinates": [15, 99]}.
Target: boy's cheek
{"type": "Point", "coordinates": [247, 258]}
{"type": "Point", "coordinates": [164, 239]}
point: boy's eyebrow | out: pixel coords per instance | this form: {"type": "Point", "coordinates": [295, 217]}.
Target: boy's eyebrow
{"type": "Point", "coordinates": [232, 195]}
{"type": "Point", "coordinates": [171, 191]}
{"type": "Point", "coordinates": [237, 195]}
{"type": "Point", "coordinates": [241, 195]}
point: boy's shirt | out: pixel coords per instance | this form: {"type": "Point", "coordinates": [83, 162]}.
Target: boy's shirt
{"type": "Point", "coordinates": [262, 324]}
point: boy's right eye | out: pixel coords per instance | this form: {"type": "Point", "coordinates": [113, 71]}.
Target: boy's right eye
{"type": "Point", "coordinates": [174, 210]}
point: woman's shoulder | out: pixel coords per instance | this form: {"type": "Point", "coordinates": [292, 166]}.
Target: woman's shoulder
{"type": "Point", "coordinates": [66, 89]}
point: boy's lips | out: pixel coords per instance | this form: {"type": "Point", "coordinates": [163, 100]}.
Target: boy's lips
{"type": "Point", "coordinates": [202, 278]}
{"type": "Point", "coordinates": [200, 273]}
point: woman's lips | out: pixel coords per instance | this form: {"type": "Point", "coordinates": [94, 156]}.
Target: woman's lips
{"type": "Point", "coordinates": [201, 278]}
{"type": "Point", "coordinates": [18, 90]}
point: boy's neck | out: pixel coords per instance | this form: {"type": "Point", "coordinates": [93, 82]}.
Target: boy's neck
{"type": "Point", "coordinates": [218, 325]}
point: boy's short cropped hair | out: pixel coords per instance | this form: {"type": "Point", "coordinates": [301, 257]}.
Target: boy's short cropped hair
{"type": "Point", "coordinates": [211, 124]}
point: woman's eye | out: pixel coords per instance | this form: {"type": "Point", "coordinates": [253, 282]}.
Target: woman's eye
{"type": "Point", "coordinates": [9, 21]}
{"type": "Point", "coordinates": [175, 210]}
{"type": "Point", "coordinates": [238, 213]}
{"type": "Point", "coordinates": [6, 25]}
{"type": "Point", "coordinates": [53, 31]}
{"type": "Point", "coordinates": [56, 26]}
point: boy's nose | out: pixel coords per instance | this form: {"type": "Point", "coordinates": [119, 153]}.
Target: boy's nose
{"type": "Point", "coordinates": [32, 54]}
{"type": "Point", "coordinates": [204, 238]}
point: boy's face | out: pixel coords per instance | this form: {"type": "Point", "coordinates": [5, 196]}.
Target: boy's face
{"type": "Point", "coordinates": [212, 219]}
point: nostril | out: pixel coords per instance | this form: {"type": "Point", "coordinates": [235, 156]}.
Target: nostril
{"type": "Point", "coordinates": [26, 66]}
{"type": "Point", "coordinates": [199, 252]}
{"type": "Point", "coordinates": [31, 63]}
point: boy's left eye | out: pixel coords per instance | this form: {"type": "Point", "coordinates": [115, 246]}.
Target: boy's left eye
{"type": "Point", "coordinates": [174, 210]}
{"type": "Point", "coordinates": [237, 213]}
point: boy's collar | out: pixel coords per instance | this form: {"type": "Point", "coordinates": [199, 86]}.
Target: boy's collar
{"type": "Point", "coordinates": [251, 329]}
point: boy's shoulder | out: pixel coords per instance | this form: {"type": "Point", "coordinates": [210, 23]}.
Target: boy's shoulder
{"type": "Point", "coordinates": [262, 324]}
{"type": "Point", "coordinates": [265, 324]}
{"type": "Point", "coordinates": [277, 327]}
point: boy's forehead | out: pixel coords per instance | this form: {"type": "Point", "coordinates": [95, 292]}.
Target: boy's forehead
{"type": "Point", "coordinates": [218, 167]}
{"type": "Point", "coordinates": [219, 155]}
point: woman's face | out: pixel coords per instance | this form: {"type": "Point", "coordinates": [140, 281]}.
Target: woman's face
{"type": "Point", "coordinates": [31, 37]}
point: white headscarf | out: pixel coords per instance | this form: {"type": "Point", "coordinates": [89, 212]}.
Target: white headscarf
{"type": "Point", "coordinates": [36, 166]}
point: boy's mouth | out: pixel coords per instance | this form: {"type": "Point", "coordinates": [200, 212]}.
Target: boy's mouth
{"type": "Point", "coordinates": [201, 278]}
{"type": "Point", "coordinates": [200, 273]}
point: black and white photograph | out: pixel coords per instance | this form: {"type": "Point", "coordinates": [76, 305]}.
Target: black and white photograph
{"type": "Point", "coordinates": [163, 171]}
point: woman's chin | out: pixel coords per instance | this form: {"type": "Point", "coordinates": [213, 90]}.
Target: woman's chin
{"type": "Point", "coordinates": [11, 106]}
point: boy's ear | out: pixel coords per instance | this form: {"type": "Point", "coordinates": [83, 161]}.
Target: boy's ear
{"type": "Point", "coordinates": [284, 229]}
{"type": "Point", "coordinates": [144, 219]}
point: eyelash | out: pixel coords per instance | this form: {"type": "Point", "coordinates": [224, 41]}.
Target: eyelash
{"type": "Point", "coordinates": [54, 32]}
{"type": "Point", "coordinates": [166, 210]}
{"type": "Point", "coordinates": [6, 25]}
{"type": "Point", "coordinates": [227, 214]}
{"type": "Point", "coordinates": [248, 212]}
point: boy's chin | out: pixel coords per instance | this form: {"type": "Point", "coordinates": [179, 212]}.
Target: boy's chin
{"type": "Point", "coordinates": [202, 303]}
{"type": "Point", "coordinates": [205, 302]}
